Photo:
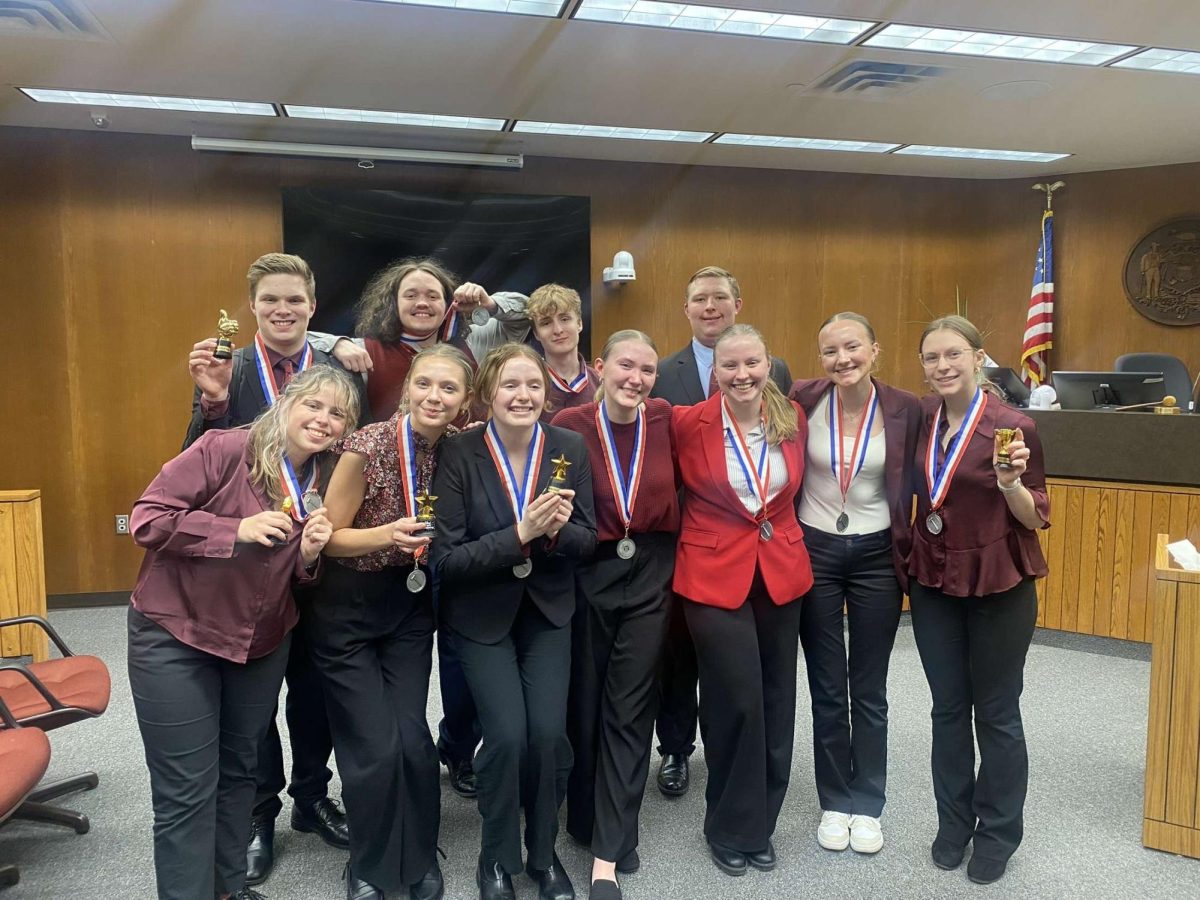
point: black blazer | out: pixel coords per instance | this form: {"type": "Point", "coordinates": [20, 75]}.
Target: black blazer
{"type": "Point", "coordinates": [246, 397]}
{"type": "Point", "coordinates": [901, 424]}
{"type": "Point", "coordinates": [476, 544]}
{"type": "Point", "coordinates": [679, 379]}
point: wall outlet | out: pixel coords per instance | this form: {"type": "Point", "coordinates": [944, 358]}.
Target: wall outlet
{"type": "Point", "coordinates": [122, 524]}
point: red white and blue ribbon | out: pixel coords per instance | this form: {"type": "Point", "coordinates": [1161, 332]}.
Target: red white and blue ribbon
{"type": "Point", "coordinates": [447, 331]}
{"type": "Point", "coordinates": [757, 476]}
{"type": "Point", "coordinates": [845, 470]}
{"type": "Point", "coordinates": [292, 489]}
{"type": "Point", "coordinates": [624, 484]}
{"type": "Point", "coordinates": [408, 463]}
{"type": "Point", "coordinates": [518, 494]}
{"type": "Point", "coordinates": [266, 372]}
{"type": "Point", "coordinates": [939, 472]}
{"type": "Point", "coordinates": [577, 386]}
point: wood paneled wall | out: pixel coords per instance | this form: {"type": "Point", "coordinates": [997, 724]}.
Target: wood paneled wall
{"type": "Point", "coordinates": [117, 250]}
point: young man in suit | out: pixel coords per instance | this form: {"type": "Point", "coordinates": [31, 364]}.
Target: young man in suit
{"type": "Point", "coordinates": [712, 302]}
{"type": "Point", "coordinates": [230, 393]}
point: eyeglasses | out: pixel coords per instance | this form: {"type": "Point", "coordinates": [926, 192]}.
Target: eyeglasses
{"type": "Point", "coordinates": [930, 360]}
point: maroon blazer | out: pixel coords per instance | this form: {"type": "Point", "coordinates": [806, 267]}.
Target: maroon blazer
{"type": "Point", "coordinates": [719, 545]}
{"type": "Point", "coordinates": [901, 423]}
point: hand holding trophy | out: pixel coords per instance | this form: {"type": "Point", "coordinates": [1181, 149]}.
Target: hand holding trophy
{"type": "Point", "coordinates": [226, 329]}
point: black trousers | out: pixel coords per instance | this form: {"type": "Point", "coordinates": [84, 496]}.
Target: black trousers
{"type": "Point", "coordinates": [372, 641]}
{"type": "Point", "coordinates": [202, 719]}
{"type": "Point", "coordinates": [308, 729]}
{"type": "Point", "coordinates": [458, 732]}
{"type": "Point", "coordinates": [850, 728]}
{"type": "Point", "coordinates": [616, 638]}
{"type": "Point", "coordinates": [747, 659]}
{"type": "Point", "coordinates": [520, 689]}
{"type": "Point", "coordinates": [678, 676]}
{"type": "Point", "coordinates": [973, 651]}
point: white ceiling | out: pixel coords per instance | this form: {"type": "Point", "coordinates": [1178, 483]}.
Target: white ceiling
{"type": "Point", "coordinates": [353, 53]}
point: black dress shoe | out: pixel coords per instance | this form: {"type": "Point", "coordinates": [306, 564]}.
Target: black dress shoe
{"type": "Point", "coordinates": [494, 883]}
{"type": "Point", "coordinates": [629, 863]}
{"type": "Point", "coordinates": [260, 852]}
{"type": "Point", "coordinates": [462, 775]}
{"type": "Point", "coordinates": [431, 886]}
{"type": "Point", "coordinates": [763, 860]}
{"type": "Point", "coordinates": [603, 889]}
{"type": "Point", "coordinates": [731, 862]}
{"type": "Point", "coordinates": [982, 870]}
{"type": "Point", "coordinates": [673, 774]}
{"type": "Point", "coordinates": [357, 889]}
{"type": "Point", "coordinates": [246, 894]}
{"type": "Point", "coordinates": [553, 883]}
{"type": "Point", "coordinates": [324, 819]}
{"type": "Point", "coordinates": [947, 854]}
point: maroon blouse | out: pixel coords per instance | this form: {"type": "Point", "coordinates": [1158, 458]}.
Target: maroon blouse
{"type": "Point", "coordinates": [982, 549]}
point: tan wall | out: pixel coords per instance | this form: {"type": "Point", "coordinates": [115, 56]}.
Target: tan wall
{"type": "Point", "coordinates": [116, 250]}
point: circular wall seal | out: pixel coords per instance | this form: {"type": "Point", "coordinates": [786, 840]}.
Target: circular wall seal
{"type": "Point", "coordinates": [1162, 274]}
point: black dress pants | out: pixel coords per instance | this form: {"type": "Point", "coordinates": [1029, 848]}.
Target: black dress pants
{"type": "Point", "coordinates": [616, 637]}
{"type": "Point", "coordinates": [747, 660]}
{"type": "Point", "coordinates": [677, 680]}
{"type": "Point", "coordinates": [458, 731]}
{"type": "Point", "coordinates": [202, 719]}
{"type": "Point", "coordinates": [850, 730]}
{"type": "Point", "coordinates": [973, 650]}
{"type": "Point", "coordinates": [373, 645]}
{"type": "Point", "coordinates": [308, 729]}
{"type": "Point", "coordinates": [520, 689]}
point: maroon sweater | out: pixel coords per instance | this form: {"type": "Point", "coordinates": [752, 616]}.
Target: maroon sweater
{"type": "Point", "coordinates": [657, 505]}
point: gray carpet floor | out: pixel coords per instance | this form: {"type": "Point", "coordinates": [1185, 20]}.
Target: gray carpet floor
{"type": "Point", "coordinates": [1085, 714]}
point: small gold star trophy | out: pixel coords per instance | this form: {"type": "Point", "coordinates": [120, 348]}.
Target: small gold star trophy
{"type": "Point", "coordinates": [425, 512]}
{"type": "Point", "coordinates": [417, 579]}
{"type": "Point", "coordinates": [558, 478]}
{"type": "Point", "coordinates": [226, 329]}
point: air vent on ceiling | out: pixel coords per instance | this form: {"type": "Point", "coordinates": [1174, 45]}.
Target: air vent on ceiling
{"type": "Point", "coordinates": [63, 19]}
{"type": "Point", "coordinates": [871, 80]}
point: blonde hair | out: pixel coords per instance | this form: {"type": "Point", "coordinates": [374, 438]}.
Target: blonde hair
{"type": "Point", "coordinates": [378, 316]}
{"type": "Point", "coordinates": [552, 299]}
{"type": "Point", "coordinates": [617, 337]}
{"type": "Point", "coordinates": [451, 354]}
{"type": "Point", "coordinates": [487, 379]}
{"type": "Point", "coordinates": [782, 421]}
{"type": "Point", "coordinates": [281, 264]}
{"type": "Point", "coordinates": [714, 272]}
{"type": "Point", "coordinates": [268, 434]}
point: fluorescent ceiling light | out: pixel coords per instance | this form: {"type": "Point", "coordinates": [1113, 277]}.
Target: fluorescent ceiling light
{"type": "Point", "coordinates": [145, 101]}
{"type": "Point", "coordinates": [970, 153]}
{"type": "Point", "coordinates": [610, 131]}
{"type": "Point", "coordinates": [1005, 46]}
{"type": "Point", "coordinates": [1157, 59]}
{"type": "Point", "coordinates": [374, 154]}
{"type": "Point", "coordinates": [382, 117]}
{"type": "Point", "coordinates": [724, 20]}
{"type": "Point", "coordinates": [515, 7]}
{"type": "Point", "coordinates": [795, 143]}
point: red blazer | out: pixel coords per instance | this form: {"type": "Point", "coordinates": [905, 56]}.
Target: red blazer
{"type": "Point", "coordinates": [719, 544]}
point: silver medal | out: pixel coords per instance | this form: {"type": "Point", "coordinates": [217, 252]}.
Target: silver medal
{"type": "Point", "coordinates": [416, 581]}
{"type": "Point", "coordinates": [626, 548]}
{"type": "Point", "coordinates": [523, 570]}
{"type": "Point", "coordinates": [480, 316]}
{"type": "Point", "coordinates": [933, 523]}
{"type": "Point", "coordinates": [312, 501]}
{"type": "Point", "coordinates": [843, 522]}
{"type": "Point", "coordinates": [766, 531]}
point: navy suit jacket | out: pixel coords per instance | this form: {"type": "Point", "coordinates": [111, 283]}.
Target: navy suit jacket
{"type": "Point", "coordinates": [679, 378]}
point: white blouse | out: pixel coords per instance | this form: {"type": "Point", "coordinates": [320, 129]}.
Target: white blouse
{"type": "Point", "coordinates": [737, 475]}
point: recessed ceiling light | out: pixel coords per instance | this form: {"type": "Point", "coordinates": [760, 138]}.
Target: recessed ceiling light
{"type": "Point", "coordinates": [1158, 59]}
{"type": "Point", "coordinates": [610, 131]}
{"type": "Point", "coordinates": [146, 101]}
{"type": "Point", "coordinates": [971, 153]}
{"type": "Point", "coordinates": [724, 20]}
{"type": "Point", "coordinates": [382, 117]}
{"type": "Point", "coordinates": [551, 8]}
{"type": "Point", "coordinates": [795, 143]}
{"type": "Point", "coordinates": [1004, 46]}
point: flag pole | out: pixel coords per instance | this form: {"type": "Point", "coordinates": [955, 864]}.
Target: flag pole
{"type": "Point", "coordinates": [1049, 190]}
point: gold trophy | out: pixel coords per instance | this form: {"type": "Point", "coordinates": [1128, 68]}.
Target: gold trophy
{"type": "Point", "coordinates": [226, 329]}
{"type": "Point", "coordinates": [1004, 437]}
{"type": "Point", "coordinates": [558, 478]}
{"type": "Point", "coordinates": [425, 513]}
{"type": "Point", "coordinates": [416, 578]}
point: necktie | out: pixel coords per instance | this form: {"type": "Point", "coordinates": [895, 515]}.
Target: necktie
{"type": "Point", "coordinates": [288, 372]}
{"type": "Point", "coordinates": [712, 382]}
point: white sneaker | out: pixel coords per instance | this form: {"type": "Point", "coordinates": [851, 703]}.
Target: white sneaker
{"type": "Point", "coordinates": [834, 831]}
{"type": "Point", "coordinates": [865, 834]}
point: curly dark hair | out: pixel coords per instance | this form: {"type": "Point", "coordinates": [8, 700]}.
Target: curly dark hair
{"type": "Point", "coordinates": [377, 314]}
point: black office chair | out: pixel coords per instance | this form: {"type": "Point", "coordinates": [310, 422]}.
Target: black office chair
{"type": "Point", "coordinates": [1176, 380]}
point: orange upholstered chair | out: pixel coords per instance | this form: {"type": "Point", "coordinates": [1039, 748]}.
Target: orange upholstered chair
{"type": "Point", "coordinates": [48, 695]}
{"type": "Point", "coordinates": [24, 755]}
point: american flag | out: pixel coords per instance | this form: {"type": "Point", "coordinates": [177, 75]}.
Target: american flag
{"type": "Point", "coordinates": [1039, 321]}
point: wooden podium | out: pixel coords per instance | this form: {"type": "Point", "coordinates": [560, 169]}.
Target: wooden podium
{"type": "Point", "coordinates": [22, 572]}
{"type": "Point", "coordinates": [1172, 815]}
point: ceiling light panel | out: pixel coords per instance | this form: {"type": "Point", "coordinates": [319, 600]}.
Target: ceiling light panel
{"type": "Point", "coordinates": [1157, 59]}
{"type": "Point", "coordinates": [724, 20]}
{"type": "Point", "coordinates": [610, 131]}
{"type": "Point", "coordinates": [146, 101]}
{"type": "Point", "coordinates": [795, 143]}
{"type": "Point", "coordinates": [1004, 46]}
{"type": "Point", "coordinates": [550, 8]}
{"type": "Point", "coordinates": [382, 117]}
{"type": "Point", "coordinates": [971, 153]}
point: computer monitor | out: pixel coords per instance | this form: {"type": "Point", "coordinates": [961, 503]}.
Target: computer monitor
{"type": "Point", "coordinates": [1010, 384]}
{"type": "Point", "coordinates": [1098, 390]}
